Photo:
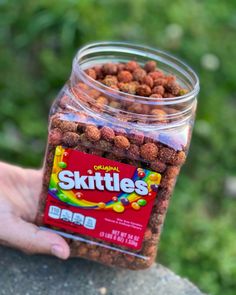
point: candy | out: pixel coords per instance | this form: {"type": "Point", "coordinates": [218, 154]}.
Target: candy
{"type": "Point", "coordinates": [92, 133]}
{"type": "Point", "coordinates": [124, 76]}
{"type": "Point", "coordinates": [144, 90]}
{"type": "Point", "coordinates": [109, 69]}
{"type": "Point", "coordinates": [150, 194]}
{"type": "Point", "coordinates": [133, 152]}
{"type": "Point", "coordinates": [115, 199]}
{"type": "Point", "coordinates": [124, 201]}
{"type": "Point", "coordinates": [153, 177]}
{"type": "Point", "coordinates": [118, 208]}
{"type": "Point", "coordinates": [63, 197]}
{"type": "Point", "coordinates": [158, 166]}
{"type": "Point", "coordinates": [137, 137]}
{"type": "Point", "coordinates": [154, 187]}
{"type": "Point", "coordinates": [167, 155]}
{"type": "Point", "coordinates": [110, 80]}
{"type": "Point", "coordinates": [149, 151]}
{"type": "Point", "coordinates": [142, 202]}
{"type": "Point", "coordinates": [101, 205]}
{"type": "Point", "coordinates": [54, 190]}
{"type": "Point", "coordinates": [62, 165]}
{"type": "Point", "coordinates": [139, 74]}
{"type": "Point", "coordinates": [70, 139]}
{"type": "Point", "coordinates": [128, 87]}
{"type": "Point", "coordinates": [141, 174]}
{"type": "Point", "coordinates": [91, 73]}
{"type": "Point", "coordinates": [121, 142]}
{"type": "Point", "coordinates": [150, 66]}
{"type": "Point", "coordinates": [131, 66]}
{"type": "Point", "coordinates": [79, 196]}
{"type": "Point", "coordinates": [135, 206]}
{"type": "Point", "coordinates": [55, 136]}
{"type": "Point", "coordinates": [107, 133]}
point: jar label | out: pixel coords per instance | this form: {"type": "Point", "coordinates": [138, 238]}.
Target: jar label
{"type": "Point", "coordinates": [100, 198]}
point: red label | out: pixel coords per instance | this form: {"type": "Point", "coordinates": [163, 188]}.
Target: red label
{"type": "Point", "coordinates": [100, 198]}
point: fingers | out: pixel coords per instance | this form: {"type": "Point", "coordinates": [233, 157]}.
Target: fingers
{"type": "Point", "coordinates": [30, 239]}
{"type": "Point", "coordinates": [20, 189]}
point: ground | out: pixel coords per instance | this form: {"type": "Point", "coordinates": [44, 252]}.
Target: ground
{"type": "Point", "coordinates": [21, 274]}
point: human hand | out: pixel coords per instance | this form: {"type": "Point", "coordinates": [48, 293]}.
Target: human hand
{"type": "Point", "coordinates": [19, 197]}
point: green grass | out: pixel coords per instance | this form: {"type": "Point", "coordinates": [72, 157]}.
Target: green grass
{"type": "Point", "coordinates": [38, 40]}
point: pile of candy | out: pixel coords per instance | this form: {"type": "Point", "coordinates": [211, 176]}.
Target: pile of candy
{"type": "Point", "coordinates": [133, 79]}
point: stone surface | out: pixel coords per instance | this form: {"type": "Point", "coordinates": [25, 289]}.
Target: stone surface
{"type": "Point", "coordinates": [29, 275]}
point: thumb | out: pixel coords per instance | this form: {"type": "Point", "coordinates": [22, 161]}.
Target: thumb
{"type": "Point", "coordinates": [31, 239]}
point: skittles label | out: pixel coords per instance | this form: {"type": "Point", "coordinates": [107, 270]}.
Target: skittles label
{"type": "Point", "coordinates": [100, 198]}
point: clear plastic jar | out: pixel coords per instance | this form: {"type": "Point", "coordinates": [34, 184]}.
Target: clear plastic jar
{"type": "Point", "coordinates": [113, 158]}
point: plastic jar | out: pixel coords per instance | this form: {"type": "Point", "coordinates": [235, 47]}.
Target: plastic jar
{"type": "Point", "coordinates": [113, 158]}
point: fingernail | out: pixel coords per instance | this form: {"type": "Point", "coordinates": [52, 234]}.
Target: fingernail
{"type": "Point", "coordinates": [57, 251]}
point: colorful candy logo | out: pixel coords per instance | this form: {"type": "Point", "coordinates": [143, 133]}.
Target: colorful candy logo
{"type": "Point", "coordinates": [124, 200]}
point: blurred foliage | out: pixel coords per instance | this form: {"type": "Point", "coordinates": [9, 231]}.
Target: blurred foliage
{"type": "Point", "coordinates": [38, 40]}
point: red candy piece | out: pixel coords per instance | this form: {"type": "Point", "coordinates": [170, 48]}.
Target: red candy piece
{"type": "Point", "coordinates": [79, 196]}
{"type": "Point", "coordinates": [141, 174]}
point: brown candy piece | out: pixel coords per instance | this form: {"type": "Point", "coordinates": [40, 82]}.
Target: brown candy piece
{"type": "Point", "coordinates": [143, 90]}
{"type": "Point", "coordinates": [167, 155]}
{"type": "Point", "coordinates": [125, 76]}
{"type": "Point", "coordinates": [110, 80]}
{"type": "Point", "coordinates": [150, 66]}
{"type": "Point", "coordinates": [149, 151]}
{"type": "Point", "coordinates": [121, 142]}
{"type": "Point", "coordinates": [91, 73]}
{"type": "Point", "coordinates": [55, 136]}
{"type": "Point", "coordinates": [107, 133]}
{"type": "Point", "coordinates": [158, 166]}
{"type": "Point", "coordinates": [139, 74]}
{"type": "Point", "coordinates": [92, 133]}
{"type": "Point", "coordinates": [133, 151]}
{"type": "Point", "coordinates": [131, 66]}
{"type": "Point", "coordinates": [110, 69]}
